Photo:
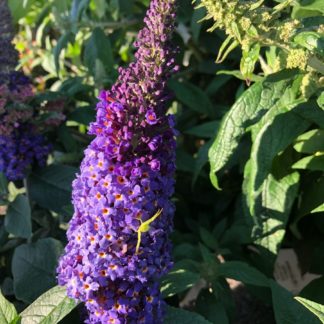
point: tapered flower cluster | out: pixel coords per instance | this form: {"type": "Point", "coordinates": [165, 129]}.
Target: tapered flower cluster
{"type": "Point", "coordinates": [118, 237]}
{"type": "Point", "coordinates": [20, 142]}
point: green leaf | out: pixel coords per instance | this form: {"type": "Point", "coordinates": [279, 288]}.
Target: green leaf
{"type": "Point", "coordinates": [178, 315]}
{"type": "Point", "coordinates": [49, 308]}
{"type": "Point", "coordinates": [274, 136]}
{"type": "Point", "coordinates": [273, 210]}
{"type": "Point", "coordinates": [18, 218]}
{"type": "Point", "coordinates": [242, 272]}
{"type": "Point", "coordinates": [185, 162]}
{"type": "Point", "coordinates": [114, 8]}
{"type": "Point", "coordinates": [310, 40]}
{"type": "Point", "coordinates": [19, 8]}
{"type": "Point", "coordinates": [208, 239]}
{"type": "Point", "coordinates": [256, 4]}
{"type": "Point", "coordinates": [78, 7]}
{"type": "Point", "coordinates": [226, 48]}
{"type": "Point", "coordinates": [238, 74]}
{"type": "Point", "coordinates": [236, 31]}
{"type": "Point", "coordinates": [51, 187]}
{"type": "Point", "coordinates": [211, 307]}
{"type": "Point", "coordinates": [73, 87]}
{"type": "Point", "coordinates": [315, 308]}
{"type": "Point", "coordinates": [287, 310]}
{"type": "Point", "coordinates": [66, 138]}
{"type": "Point", "coordinates": [8, 311]}
{"type": "Point", "coordinates": [98, 48]}
{"type": "Point", "coordinates": [314, 163]}
{"type": "Point", "coordinates": [239, 233]}
{"type": "Point", "coordinates": [183, 250]}
{"type": "Point", "coordinates": [206, 130]}
{"type": "Point", "coordinates": [318, 209]}
{"type": "Point", "coordinates": [34, 268]}
{"type": "Point", "coordinates": [197, 15]}
{"type": "Point", "coordinates": [200, 161]}
{"type": "Point", "coordinates": [177, 281]}
{"type": "Point", "coordinates": [249, 58]}
{"type": "Point", "coordinates": [310, 142]}
{"type": "Point", "coordinates": [246, 111]}
{"type": "Point", "coordinates": [314, 290]}
{"type": "Point", "coordinates": [312, 112]}
{"type": "Point", "coordinates": [100, 7]}
{"type": "Point", "coordinates": [320, 100]}
{"type": "Point", "coordinates": [62, 43]}
{"type": "Point", "coordinates": [216, 84]}
{"type": "Point", "coordinates": [311, 199]}
{"type": "Point", "coordinates": [273, 205]}
{"type": "Point", "coordinates": [208, 256]}
{"type": "Point", "coordinates": [308, 8]}
{"type": "Point", "coordinates": [192, 96]}
{"type": "Point", "coordinates": [289, 100]}
{"type": "Point", "coordinates": [83, 115]}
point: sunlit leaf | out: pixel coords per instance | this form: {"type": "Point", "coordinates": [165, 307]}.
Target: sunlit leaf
{"type": "Point", "coordinates": [8, 312]}
{"type": "Point", "coordinates": [310, 142]}
{"type": "Point", "coordinates": [287, 310]}
{"type": "Point", "coordinates": [314, 163]}
{"type": "Point", "coordinates": [315, 308]}
{"type": "Point", "coordinates": [177, 281]}
{"type": "Point", "coordinates": [49, 308]}
{"type": "Point", "coordinates": [246, 111]}
{"type": "Point", "coordinates": [273, 137]}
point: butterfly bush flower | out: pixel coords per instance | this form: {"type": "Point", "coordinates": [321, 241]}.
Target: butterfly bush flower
{"type": "Point", "coordinates": [21, 144]}
{"type": "Point", "coordinates": [118, 245]}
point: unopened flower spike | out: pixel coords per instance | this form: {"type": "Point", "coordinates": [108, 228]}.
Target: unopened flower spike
{"type": "Point", "coordinates": [118, 239]}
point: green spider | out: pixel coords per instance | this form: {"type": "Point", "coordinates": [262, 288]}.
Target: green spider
{"type": "Point", "coordinates": [145, 227]}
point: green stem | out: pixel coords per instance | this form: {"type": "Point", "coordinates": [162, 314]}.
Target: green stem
{"type": "Point", "coordinates": [25, 182]}
{"type": "Point", "coordinates": [26, 188]}
{"type": "Point", "coordinates": [109, 25]}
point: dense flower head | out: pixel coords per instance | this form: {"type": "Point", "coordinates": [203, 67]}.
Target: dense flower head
{"type": "Point", "coordinates": [21, 145]}
{"type": "Point", "coordinates": [21, 149]}
{"type": "Point", "coordinates": [118, 237]}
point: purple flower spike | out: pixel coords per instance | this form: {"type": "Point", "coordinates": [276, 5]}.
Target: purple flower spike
{"type": "Point", "coordinates": [19, 150]}
{"type": "Point", "coordinates": [118, 246]}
